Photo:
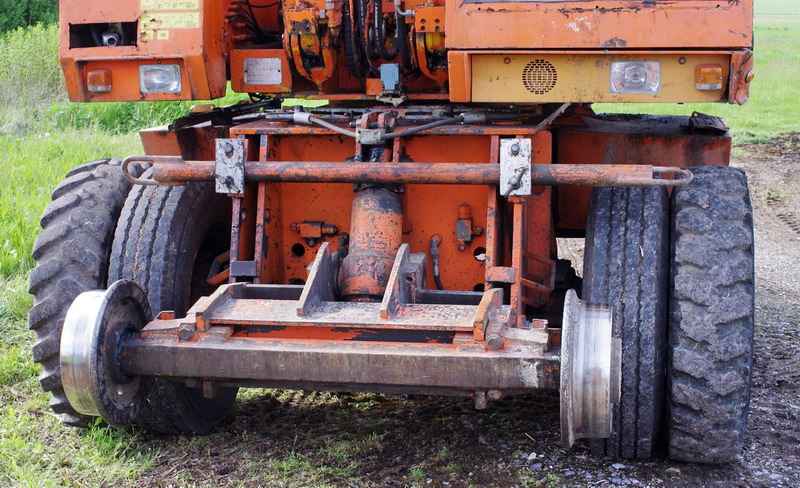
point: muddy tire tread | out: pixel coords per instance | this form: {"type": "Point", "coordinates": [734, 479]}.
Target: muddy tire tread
{"type": "Point", "coordinates": [711, 316]}
{"type": "Point", "coordinates": [71, 255]}
{"type": "Point", "coordinates": [153, 220]}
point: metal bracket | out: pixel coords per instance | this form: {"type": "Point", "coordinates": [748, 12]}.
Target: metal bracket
{"type": "Point", "coordinates": [369, 137]}
{"type": "Point", "coordinates": [229, 168]}
{"type": "Point", "coordinates": [515, 167]}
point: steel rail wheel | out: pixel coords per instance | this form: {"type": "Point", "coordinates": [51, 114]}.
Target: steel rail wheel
{"type": "Point", "coordinates": [590, 371]}
{"type": "Point", "coordinates": [95, 325]}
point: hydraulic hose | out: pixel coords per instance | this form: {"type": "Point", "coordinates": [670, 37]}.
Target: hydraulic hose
{"type": "Point", "coordinates": [403, 43]}
{"type": "Point", "coordinates": [330, 126]}
{"type": "Point", "coordinates": [413, 130]}
{"type": "Point", "coordinates": [350, 33]}
{"type": "Point", "coordinates": [380, 33]}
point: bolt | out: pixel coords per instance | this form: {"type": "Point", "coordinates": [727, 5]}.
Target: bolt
{"type": "Point", "coordinates": [228, 149]}
{"type": "Point", "coordinates": [495, 342]}
{"type": "Point", "coordinates": [515, 148]}
{"type": "Point", "coordinates": [480, 400]}
{"type": "Point", "coordinates": [185, 332]}
{"type": "Point", "coordinates": [495, 394]}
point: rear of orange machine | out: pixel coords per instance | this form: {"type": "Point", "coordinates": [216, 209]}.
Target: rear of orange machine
{"type": "Point", "coordinates": [404, 238]}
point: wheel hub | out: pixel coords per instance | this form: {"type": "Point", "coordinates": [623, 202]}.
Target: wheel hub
{"type": "Point", "coordinates": [94, 327]}
{"type": "Point", "coordinates": [591, 367]}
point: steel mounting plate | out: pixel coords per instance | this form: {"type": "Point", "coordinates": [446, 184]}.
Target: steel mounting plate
{"type": "Point", "coordinates": [515, 167]}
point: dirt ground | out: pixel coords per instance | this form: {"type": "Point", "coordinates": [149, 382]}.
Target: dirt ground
{"type": "Point", "coordinates": [312, 439]}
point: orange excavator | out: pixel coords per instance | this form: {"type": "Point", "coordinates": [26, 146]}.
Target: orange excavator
{"type": "Point", "coordinates": [404, 237]}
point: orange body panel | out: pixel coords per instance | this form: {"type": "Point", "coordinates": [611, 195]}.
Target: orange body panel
{"type": "Point", "coordinates": [599, 24]}
{"type": "Point", "coordinates": [429, 209]}
{"type": "Point", "coordinates": [628, 142]}
{"type": "Point", "coordinates": [213, 41]}
{"type": "Point", "coordinates": [189, 37]}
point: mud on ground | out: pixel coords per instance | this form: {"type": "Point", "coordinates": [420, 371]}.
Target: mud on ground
{"type": "Point", "coordinates": [313, 439]}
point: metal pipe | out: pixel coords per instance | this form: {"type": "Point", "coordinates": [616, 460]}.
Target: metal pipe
{"type": "Point", "coordinates": [173, 170]}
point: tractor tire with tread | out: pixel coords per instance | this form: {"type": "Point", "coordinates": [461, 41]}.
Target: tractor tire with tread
{"type": "Point", "coordinates": [711, 316]}
{"type": "Point", "coordinates": [625, 266]}
{"type": "Point", "coordinates": [165, 242]}
{"type": "Point", "coordinates": [72, 255]}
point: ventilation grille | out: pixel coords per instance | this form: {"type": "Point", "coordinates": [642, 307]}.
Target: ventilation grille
{"type": "Point", "coordinates": [539, 76]}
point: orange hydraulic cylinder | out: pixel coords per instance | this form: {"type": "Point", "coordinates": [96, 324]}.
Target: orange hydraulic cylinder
{"type": "Point", "coordinates": [376, 232]}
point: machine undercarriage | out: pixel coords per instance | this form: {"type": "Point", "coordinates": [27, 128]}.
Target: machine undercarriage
{"type": "Point", "coordinates": [403, 239]}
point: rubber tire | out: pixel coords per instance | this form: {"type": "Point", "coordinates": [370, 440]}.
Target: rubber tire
{"type": "Point", "coordinates": [71, 254]}
{"type": "Point", "coordinates": [625, 266]}
{"type": "Point", "coordinates": [711, 316]}
{"type": "Point", "coordinates": [157, 242]}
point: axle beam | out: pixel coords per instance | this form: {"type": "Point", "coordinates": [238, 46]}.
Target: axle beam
{"type": "Point", "coordinates": [297, 363]}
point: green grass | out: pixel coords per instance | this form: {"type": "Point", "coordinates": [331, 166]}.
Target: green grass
{"type": "Point", "coordinates": [42, 136]}
{"type": "Point", "coordinates": [776, 7]}
{"type": "Point", "coordinates": [32, 165]}
{"type": "Point", "coordinates": [772, 107]}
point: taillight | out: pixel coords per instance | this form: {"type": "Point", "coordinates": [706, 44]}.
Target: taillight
{"type": "Point", "coordinates": [98, 81]}
{"type": "Point", "coordinates": [708, 77]}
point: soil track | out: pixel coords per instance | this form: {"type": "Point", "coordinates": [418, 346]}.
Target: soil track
{"type": "Point", "coordinates": [313, 439]}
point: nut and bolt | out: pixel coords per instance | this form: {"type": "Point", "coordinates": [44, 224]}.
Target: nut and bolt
{"type": "Point", "coordinates": [515, 148]}
{"type": "Point", "coordinates": [185, 332]}
{"type": "Point", "coordinates": [495, 342]}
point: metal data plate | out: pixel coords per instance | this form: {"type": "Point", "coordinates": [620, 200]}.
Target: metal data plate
{"type": "Point", "coordinates": [515, 167]}
{"type": "Point", "coordinates": [262, 71]}
{"type": "Point", "coordinates": [229, 171]}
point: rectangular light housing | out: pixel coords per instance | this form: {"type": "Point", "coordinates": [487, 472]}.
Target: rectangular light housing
{"type": "Point", "coordinates": [708, 77]}
{"type": "Point", "coordinates": [160, 78]}
{"type": "Point", "coordinates": [635, 77]}
{"type": "Point", "coordinates": [98, 81]}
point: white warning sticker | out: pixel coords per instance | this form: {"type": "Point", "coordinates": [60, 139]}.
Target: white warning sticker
{"type": "Point", "coordinates": [188, 20]}
{"type": "Point", "coordinates": [170, 4]}
{"type": "Point", "coordinates": [262, 71]}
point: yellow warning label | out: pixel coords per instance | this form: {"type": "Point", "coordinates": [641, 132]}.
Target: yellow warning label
{"type": "Point", "coordinates": [170, 4]}
{"type": "Point", "coordinates": [188, 20]}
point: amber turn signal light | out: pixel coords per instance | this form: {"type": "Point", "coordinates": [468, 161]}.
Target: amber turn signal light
{"type": "Point", "coordinates": [708, 77]}
{"type": "Point", "coordinates": [98, 80]}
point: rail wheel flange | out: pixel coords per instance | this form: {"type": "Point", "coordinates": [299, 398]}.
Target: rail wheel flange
{"type": "Point", "coordinates": [590, 370]}
{"type": "Point", "coordinates": [94, 328]}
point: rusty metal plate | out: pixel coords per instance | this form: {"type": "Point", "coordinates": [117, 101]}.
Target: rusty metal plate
{"type": "Point", "coordinates": [515, 167]}
{"type": "Point", "coordinates": [229, 167]}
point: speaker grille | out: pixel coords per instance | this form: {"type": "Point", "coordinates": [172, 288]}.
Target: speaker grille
{"type": "Point", "coordinates": [539, 76]}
